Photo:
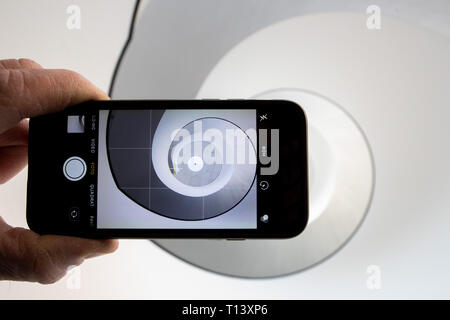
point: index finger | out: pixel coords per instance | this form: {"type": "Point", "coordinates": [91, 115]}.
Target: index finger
{"type": "Point", "coordinates": [27, 93]}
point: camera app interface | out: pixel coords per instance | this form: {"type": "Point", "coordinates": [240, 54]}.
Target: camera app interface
{"type": "Point", "coordinates": [177, 169]}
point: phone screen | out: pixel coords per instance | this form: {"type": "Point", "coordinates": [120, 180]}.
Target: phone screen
{"type": "Point", "coordinates": [177, 169]}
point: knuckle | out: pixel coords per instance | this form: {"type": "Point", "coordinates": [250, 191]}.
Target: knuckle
{"type": "Point", "coordinates": [4, 80]}
{"type": "Point", "coordinates": [10, 81]}
{"type": "Point", "coordinates": [28, 63]}
{"type": "Point", "coordinates": [12, 84]}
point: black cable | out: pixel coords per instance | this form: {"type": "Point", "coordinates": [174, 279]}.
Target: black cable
{"type": "Point", "coordinates": [125, 47]}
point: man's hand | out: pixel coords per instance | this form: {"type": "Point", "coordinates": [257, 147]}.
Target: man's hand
{"type": "Point", "coordinates": [28, 90]}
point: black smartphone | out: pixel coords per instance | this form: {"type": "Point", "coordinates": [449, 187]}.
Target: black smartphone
{"type": "Point", "coordinates": [232, 169]}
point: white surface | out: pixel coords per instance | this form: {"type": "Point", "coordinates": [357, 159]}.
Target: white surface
{"type": "Point", "coordinates": [334, 138]}
{"type": "Point", "coordinates": [406, 234]}
{"type": "Point", "coordinates": [394, 83]}
{"type": "Point", "coordinates": [343, 174]}
{"type": "Point", "coordinates": [38, 30]}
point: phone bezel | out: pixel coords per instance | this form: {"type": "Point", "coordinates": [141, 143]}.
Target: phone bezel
{"type": "Point", "coordinates": [44, 219]}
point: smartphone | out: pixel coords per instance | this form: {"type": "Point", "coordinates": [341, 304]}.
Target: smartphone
{"type": "Point", "coordinates": [231, 169]}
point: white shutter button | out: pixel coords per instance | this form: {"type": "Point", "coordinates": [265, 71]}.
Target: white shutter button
{"type": "Point", "coordinates": [74, 168]}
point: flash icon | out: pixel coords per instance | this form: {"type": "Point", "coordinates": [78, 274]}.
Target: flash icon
{"type": "Point", "coordinates": [263, 117]}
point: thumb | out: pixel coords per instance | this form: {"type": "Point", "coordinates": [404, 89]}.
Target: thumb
{"type": "Point", "coordinates": [27, 256]}
{"type": "Point", "coordinates": [27, 93]}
